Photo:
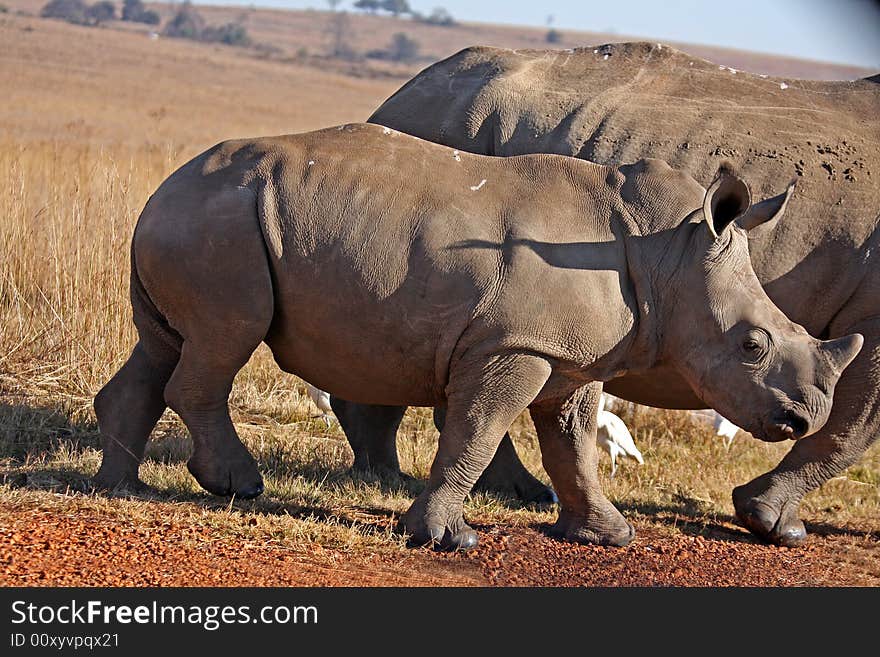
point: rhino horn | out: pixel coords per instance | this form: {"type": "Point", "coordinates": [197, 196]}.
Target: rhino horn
{"type": "Point", "coordinates": [842, 351]}
{"type": "Point", "coordinates": [765, 211]}
{"type": "Point", "coordinates": [726, 199]}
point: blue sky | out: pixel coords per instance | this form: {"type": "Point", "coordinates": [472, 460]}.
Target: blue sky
{"type": "Point", "coordinates": [844, 31]}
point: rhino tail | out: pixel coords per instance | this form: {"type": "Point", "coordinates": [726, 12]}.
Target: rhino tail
{"type": "Point", "coordinates": [153, 327]}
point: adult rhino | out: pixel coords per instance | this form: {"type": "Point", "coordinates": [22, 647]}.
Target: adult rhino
{"type": "Point", "coordinates": [621, 102]}
{"type": "Point", "coordinates": [433, 258]}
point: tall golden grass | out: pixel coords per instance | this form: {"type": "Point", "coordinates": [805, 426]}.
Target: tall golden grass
{"type": "Point", "coordinates": [68, 213]}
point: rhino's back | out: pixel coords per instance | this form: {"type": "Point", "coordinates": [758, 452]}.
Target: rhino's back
{"type": "Point", "coordinates": [621, 102]}
{"type": "Point", "coordinates": [618, 103]}
{"type": "Point", "coordinates": [384, 249]}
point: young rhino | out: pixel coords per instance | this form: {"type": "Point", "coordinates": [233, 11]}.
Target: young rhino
{"type": "Point", "coordinates": [390, 270]}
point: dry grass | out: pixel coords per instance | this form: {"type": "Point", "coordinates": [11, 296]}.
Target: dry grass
{"type": "Point", "coordinates": [96, 119]}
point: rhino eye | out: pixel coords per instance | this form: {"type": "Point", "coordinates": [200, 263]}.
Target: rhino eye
{"type": "Point", "coordinates": [755, 345]}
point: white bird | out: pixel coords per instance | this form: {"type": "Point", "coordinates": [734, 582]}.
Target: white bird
{"type": "Point", "coordinates": [724, 428]}
{"type": "Point", "coordinates": [322, 401]}
{"type": "Point", "coordinates": [613, 436]}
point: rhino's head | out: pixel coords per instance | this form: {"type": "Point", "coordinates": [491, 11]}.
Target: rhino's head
{"type": "Point", "coordinates": [735, 348]}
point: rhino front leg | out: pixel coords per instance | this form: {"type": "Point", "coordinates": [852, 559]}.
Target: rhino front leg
{"type": "Point", "coordinates": [506, 473]}
{"type": "Point", "coordinates": [567, 433]}
{"type": "Point", "coordinates": [484, 398]}
{"type": "Point", "coordinates": [371, 431]}
{"type": "Point", "coordinates": [768, 505]}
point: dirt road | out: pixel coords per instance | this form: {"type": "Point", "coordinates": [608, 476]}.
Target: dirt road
{"type": "Point", "coordinates": [43, 548]}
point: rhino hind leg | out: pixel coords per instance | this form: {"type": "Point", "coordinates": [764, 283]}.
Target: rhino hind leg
{"type": "Point", "coordinates": [484, 400]}
{"type": "Point", "coordinates": [567, 434]}
{"type": "Point", "coordinates": [220, 302]}
{"type": "Point", "coordinates": [218, 340]}
{"type": "Point", "coordinates": [768, 505]}
{"type": "Point", "coordinates": [371, 431]}
{"type": "Point", "coordinates": [127, 409]}
{"type": "Point", "coordinates": [198, 392]}
{"type": "Point", "coordinates": [507, 474]}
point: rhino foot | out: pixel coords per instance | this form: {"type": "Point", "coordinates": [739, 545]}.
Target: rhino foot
{"type": "Point", "coordinates": [227, 477]}
{"type": "Point", "coordinates": [541, 497]}
{"type": "Point", "coordinates": [444, 539]}
{"type": "Point", "coordinates": [381, 473]}
{"type": "Point", "coordinates": [780, 527]}
{"type": "Point", "coordinates": [528, 492]}
{"type": "Point", "coordinates": [430, 530]}
{"type": "Point", "coordinates": [107, 480]}
{"type": "Point", "coordinates": [609, 529]}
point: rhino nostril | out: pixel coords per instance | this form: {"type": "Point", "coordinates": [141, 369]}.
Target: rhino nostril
{"type": "Point", "coordinates": [798, 424]}
{"type": "Point", "coordinates": [787, 424]}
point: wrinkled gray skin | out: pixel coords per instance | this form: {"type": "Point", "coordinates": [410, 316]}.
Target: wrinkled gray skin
{"type": "Point", "coordinates": [391, 270]}
{"type": "Point", "coordinates": [617, 103]}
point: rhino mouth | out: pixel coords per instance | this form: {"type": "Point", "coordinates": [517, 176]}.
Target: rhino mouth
{"type": "Point", "coordinates": [785, 425]}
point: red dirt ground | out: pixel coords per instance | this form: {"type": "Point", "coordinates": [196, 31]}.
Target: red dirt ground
{"type": "Point", "coordinates": [44, 548]}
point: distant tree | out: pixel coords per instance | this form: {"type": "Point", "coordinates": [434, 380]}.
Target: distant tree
{"type": "Point", "coordinates": [187, 23]}
{"type": "Point", "coordinates": [396, 7]}
{"type": "Point", "coordinates": [135, 12]}
{"type": "Point", "coordinates": [371, 6]}
{"type": "Point", "coordinates": [150, 17]}
{"type": "Point", "coordinates": [403, 48]}
{"type": "Point", "coordinates": [553, 36]}
{"type": "Point", "coordinates": [72, 11]}
{"type": "Point", "coordinates": [339, 33]}
{"type": "Point", "coordinates": [333, 4]}
{"type": "Point", "coordinates": [439, 16]}
{"type": "Point", "coordinates": [232, 34]}
{"type": "Point", "coordinates": [131, 9]}
{"type": "Point", "coordinates": [100, 12]}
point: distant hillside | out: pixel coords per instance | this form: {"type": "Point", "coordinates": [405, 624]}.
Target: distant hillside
{"type": "Point", "coordinates": [83, 85]}
{"type": "Point", "coordinates": [114, 84]}
{"type": "Point", "coordinates": [307, 35]}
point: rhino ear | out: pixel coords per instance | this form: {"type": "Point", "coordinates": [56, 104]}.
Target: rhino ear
{"type": "Point", "coordinates": [726, 199]}
{"type": "Point", "coordinates": [767, 211]}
